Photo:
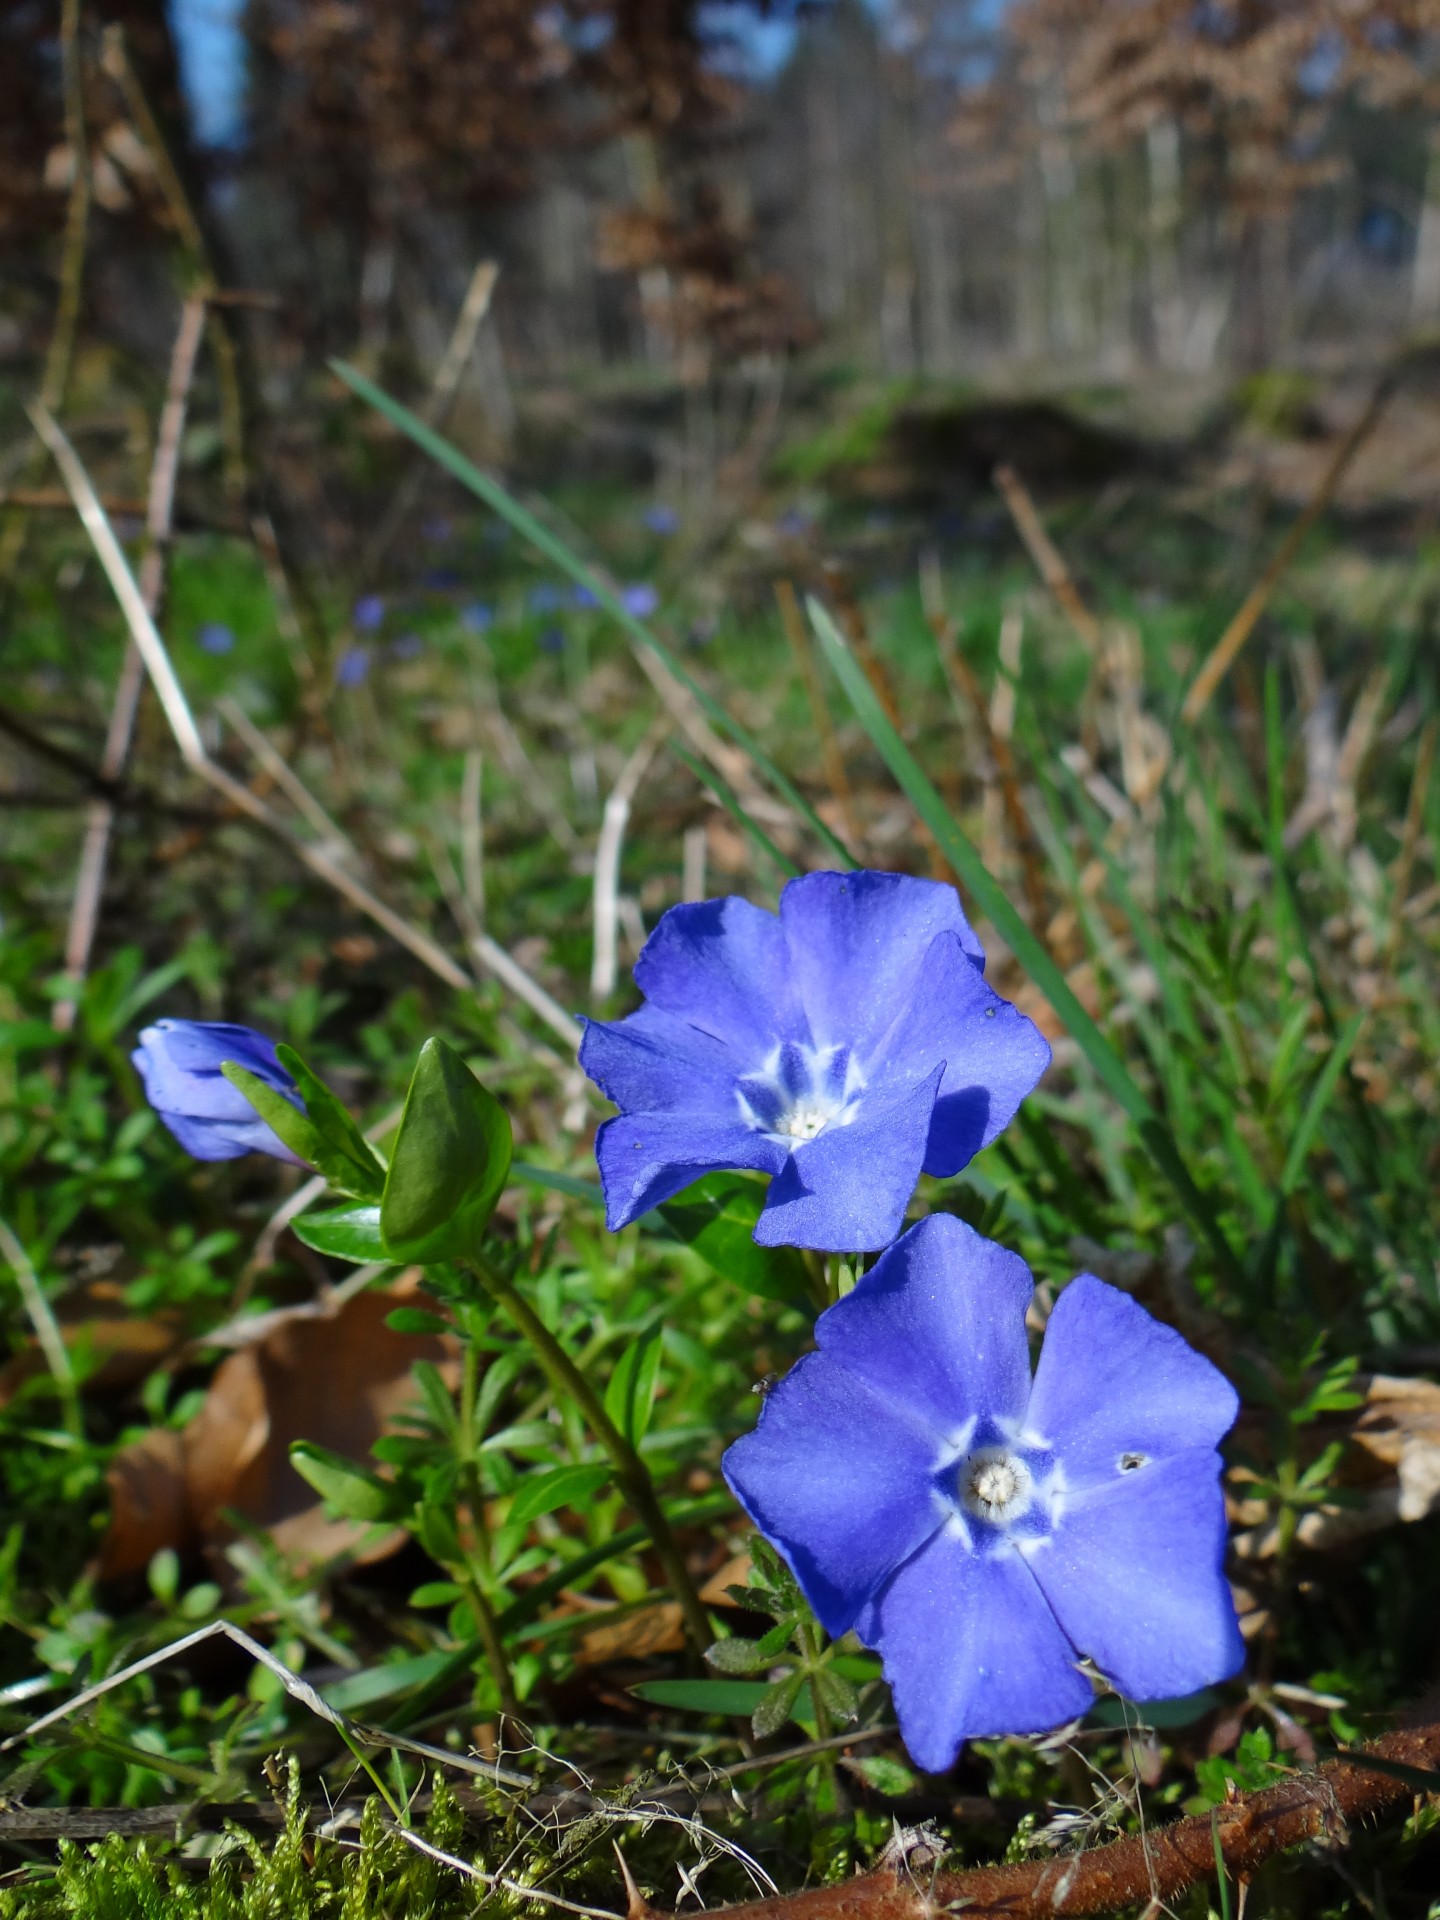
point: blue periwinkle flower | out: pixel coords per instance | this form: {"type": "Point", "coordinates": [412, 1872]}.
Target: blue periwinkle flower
{"type": "Point", "coordinates": [354, 665]}
{"type": "Point", "coordinates": [661, 519]}
{"type": "Point", "coordinates": [216, 638]}
{"type": "Point", "coordinates": [408, 647]}
{"type": "Point", "coordinates": [546, 598]}
{"type": "Point", "coordinates": [477, 617]}
{"type": "Point", "coordinates": [179, 1064]}
{"type": "Point", "coordinates": [640, 600]}
{"type": "Point", "coordinates": [368, 613]}
{"type": "Point", "coordinates": [841, 1046]}
{"type": "Point", "coordinates": [985, 1531]}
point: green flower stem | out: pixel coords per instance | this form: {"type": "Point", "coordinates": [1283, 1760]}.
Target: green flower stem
{"type": "Point", "coordinates": [486, 1624]}
{"type": "Point", "coordinates": [634, 1476]}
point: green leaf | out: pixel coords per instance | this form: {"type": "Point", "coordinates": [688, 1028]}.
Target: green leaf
{"type": "Point", "coordinates": [415, 1320]}
{"type": "Point", "coordinates": [630, 1396]}
{"type": "Point", "coordinates": [716, 1217]}
{"type": "Point", "coordinates": [739, 1656]}
{"type": "Point", "coordinates": [332, 1121]}
{"type": "Point", "coordinates": [349, 1233]}
{"type": "Point", "coordinates": [1028, 949]}
{"type": "Point", "coordinates": [450, 1161]}
{"type": "Point", "coordinates": [351, 1490]}
{"type": "Point", "coordinates": [488, 489]}
{"type": "Point", "coordinates": [282, 1116]}
{"type": "Point", "coordinates": [890, 1777]}
{"type": "Point", "coordinates": [435, 1593]}
{"type": "Point", "coordinates": [559, 1487]}
{"type": "Point", "coordinates": [777, 1705]}
{"type": "Point", "coordinates": [383, 1682]}
{"type": "Point", "coordinates": [703, 1696]}
{"type": "Point", "coordinates": [839, 1697]}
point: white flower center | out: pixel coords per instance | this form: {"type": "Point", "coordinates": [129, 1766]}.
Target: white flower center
{"type": "Point", "coordinates": [995, 1485]}
{"type": "Point", "coordinates": [800, 1091]}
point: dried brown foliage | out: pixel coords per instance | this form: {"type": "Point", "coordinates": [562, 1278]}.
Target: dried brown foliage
{"type": "Point", "coordinates": [1259, 76]}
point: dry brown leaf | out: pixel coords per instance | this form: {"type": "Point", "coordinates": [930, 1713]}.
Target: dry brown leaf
{"type": "Point", "coordinates": [336, 1376]}
{"type": "Point", "coordinates": [655, 1629]}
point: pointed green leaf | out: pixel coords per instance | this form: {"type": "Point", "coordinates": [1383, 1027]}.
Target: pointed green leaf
{"type": "Point", "coordinates": [450, 1162]}
{"type": "Point", "coordinates": [630, 1396]}
{"type": "Point", "coordinates": [336, 1127]}
{"type": "Point", "coordinates": [703, 1696]}
{"type": "Point", "coordinates": [349, 1233]}
{"type": "Point", "coordinates": [716, 1217]}
{"type": "Point", "coordinates": [559, 1487]}
{"type": "Point", "coordinates": [351, 1490]}
{"type": "Point", "coordinates": [282, 1116]}
{"type": "Point", "coordinates": [417, 1321]}
{"type": "Point", "coordinates": [890, 1777]}
{"type": "Point", "coordinates": [839, 1697]}
{"type": "Point", "coordinates": [776, 1705]}
{"type": "Point", "coordinates": [738, 1656]}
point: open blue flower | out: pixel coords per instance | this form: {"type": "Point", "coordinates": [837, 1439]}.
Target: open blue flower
{"type": "Point", "coordinates": [179, 1064]}
{"type": "Point", "coordinates": [985, 1531]}
{"type": "Point", "coordinates": [841, 1046]}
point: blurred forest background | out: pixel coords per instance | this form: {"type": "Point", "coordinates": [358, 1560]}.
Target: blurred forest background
{"type": "Point", "coordinates": [692, 200]}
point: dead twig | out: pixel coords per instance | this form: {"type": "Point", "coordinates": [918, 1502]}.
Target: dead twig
{"type": "Point", "coordinates": [1049, 561]}
{"type": "Point", "coordinates": [1314, 1805]}
{"type": "Point", "coordinates": [1223, 654]}
{"type": "Point", "coordinates": [607, 860]}
{"type": "Point", "coordinates": [159, 519]}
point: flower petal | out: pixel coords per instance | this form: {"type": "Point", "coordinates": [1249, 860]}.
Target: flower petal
{"type": "Point", "coordinates": [846, 1190]}
{"type": "Point", "coordinates": [179, 1064]}
{"type": "Point", "coordinates": [937, 1327]}
{"type": "Point", "coordinates": [856, 942]}
{"type": "Point", "coordinates": [839, 1482]}
{"type": "Point", "coordinates": [1114, 1381]}
{"type": "Point", "coordinates": [1135, 1575]}
{"type": "Point", "coordinates": [646, 1157]}
{"type": "Point", "coordinates": [723, 966]}
{"type": "Point", "coordinates": [226, 1139]}
{"type": "Point", "coordinates": [993, 1054]}
{"type": "Point", "coordinates": [653, 1061]}
{"type": "Point", "coordinates": [971, 1650]}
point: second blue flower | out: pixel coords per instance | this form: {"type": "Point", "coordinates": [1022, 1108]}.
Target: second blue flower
{"type": "Point", "coordinates": [842, 1046]}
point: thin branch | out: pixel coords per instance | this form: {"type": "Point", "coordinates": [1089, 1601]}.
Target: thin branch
{"type": "Point", "coordinates": [1318, 1804]}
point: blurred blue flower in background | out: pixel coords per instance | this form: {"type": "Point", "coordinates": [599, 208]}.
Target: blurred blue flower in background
{"type": "Point", "coordinates": [546, 598]}
{"type": "Point", "coordinates": [354, 665]}
{"type": "Point", "coordinates": [552, 640]}
{"type": "Point", "coordinates": [408, 647]}
{"type": "Point", "coordinates": [984, 1532]}
{"type": "Point", "coordinates": [477, 617]}
{"type": "Point", "coordinates": [368, 613]}
{"type": "Point", "coordinates": [216, 638]}
{"type": "Point", "coordinates": [437, 530]}
{"type": "Point", "coordinates": [179, 1065]}
{"type": "Point", "coordinates": [584, 597]}
{"type": "Point", "coordinates": [841, 1046]}
{"type": "Point", "coordinates": [661, 519]}
{"type": "Point", "coordinates": [640, 600]}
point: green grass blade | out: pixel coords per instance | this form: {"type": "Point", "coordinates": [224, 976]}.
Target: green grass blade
{"type": "Point", "coordinates": [1315, 1106]}
{"type": "Point", "coordinates": [1031, 953]}
{"type": "Point", "coordinates": [496, 497]}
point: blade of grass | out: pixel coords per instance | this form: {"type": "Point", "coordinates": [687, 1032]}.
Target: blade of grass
{"type": "Point", "coordinates": [487, 488]}
{"type": "Point", "coordinates": [1315, 1106]}
{"type": "Point", "coordinates": [1028, 949]}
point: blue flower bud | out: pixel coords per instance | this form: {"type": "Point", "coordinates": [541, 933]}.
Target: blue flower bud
{"type": "Point", "coordinates": [179, 1064]}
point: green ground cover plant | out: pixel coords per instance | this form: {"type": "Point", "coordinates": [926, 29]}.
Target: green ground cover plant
{"type": "Point", "coordinates": [1227, 929]}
